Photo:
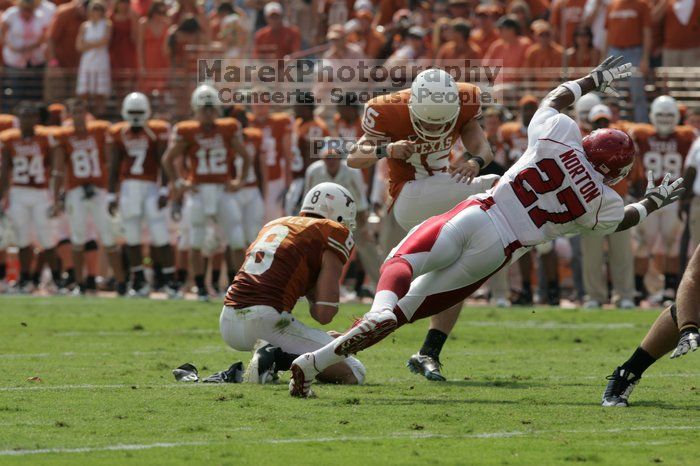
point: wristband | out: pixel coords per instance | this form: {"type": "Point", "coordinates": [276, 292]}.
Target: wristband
{"type": "Point", "coordinates": [324, 303]}
{"type": "Point", "coordinates": [641, 210]}
{"type": "Point", "coordinates": [164, 191]}
{"type": "Point", "coordinates": [111, 197]}
{"type": "Point", "coordinates": [574, 88]}
{"type": "Point", "coordinates": [382, 151]}
{"type": "Point", "coordinates": [479, 161]}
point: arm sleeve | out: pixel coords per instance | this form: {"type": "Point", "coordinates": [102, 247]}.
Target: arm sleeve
{"type": "Point", "coordinates": [610, 213]}
{"type": "Point", "coordinates": [537, 125]}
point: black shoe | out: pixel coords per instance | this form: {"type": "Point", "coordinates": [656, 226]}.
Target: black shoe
{"type": "Point", "coordinates": [262, 367]}
{"type": "Point", "coordinates": [427, 366]}
{"type": "Point", "coordinates": [90, 284]}
{"type": "Point", "coordinates": [121, 289]}
{"type": "Point", "coordinates": [524, 299]}
{"type": "Point", "coordinates": [233, 374]}
{"type": "Point", "coordinates": [620, 386]}
{"type": "Point", "coordinates": [202, 294]}
{"type": "Point", "coordinates": [186, 373]}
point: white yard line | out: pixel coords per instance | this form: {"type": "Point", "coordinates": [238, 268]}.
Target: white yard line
{"type": "Point", "coordinates": [396, 436]}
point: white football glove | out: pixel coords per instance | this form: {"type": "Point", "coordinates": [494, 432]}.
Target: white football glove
{"type": "Point", "coordinates": [664, 194]}
{"type": "Point", "coordinates": [611, 69]}
{"type": "Point", "coordinates": [688, 342]}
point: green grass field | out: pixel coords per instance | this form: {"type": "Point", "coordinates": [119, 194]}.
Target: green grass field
{"type": "Point", "coordinates": [524, 388]}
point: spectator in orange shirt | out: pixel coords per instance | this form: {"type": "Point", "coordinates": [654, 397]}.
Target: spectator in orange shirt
{"type": "Point", "coordinates": [458, 8]}
{"type": "Point", "coordinates": [583, 54]}
{"type": "Point", "coordinates": [366, 35]}
{"type": "Point", "coordinates": [629, 35]}
{"type": "Point", "coordinates": [566, 17]}
{"type": "Point", "coordinates": [521, 11]}
{"type": "Point", "coordinates": [510, 47]}
{"type": "Point", "coordinates": [460, 47]}
{"type": "Point", "coordinates": [544, 53]}
{"type": "Point", "coordinates": [275, 40]}
{"type": "Point", "coordinates": [485, 34]}
{"type": "Point", "coordinates": [681, 31]}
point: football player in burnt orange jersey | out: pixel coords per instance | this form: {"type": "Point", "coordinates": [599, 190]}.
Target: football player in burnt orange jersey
{"type": "Point", "coordinates": [277, 128]}
{"type": "Point", "coordinates": [307, 129]}
{"type": "Point", "coordinates": [136, 175]}
{"type": "Point", "coordinates": [27, 154]}
{"type": "Point", "coordinates": [6, 122]}
{"type": "Point", "coordinates": [415, 129]}
{"type": "Point", "coordinates": [663, 147]}
{"type": "Point", "coordinates": [82, 165]}
{"type": "Point", "coordinates": [293, 257]}
{"type": "Point", "coordinates": [208, 146]}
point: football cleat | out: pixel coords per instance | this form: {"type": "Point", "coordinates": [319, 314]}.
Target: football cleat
{"type": "Point", "coordinates": [591, 304]}
{"type": "Point", "coordinates": [625, 304]}
{"type": "Point", "coordinates": [203, 295]}
{"type": "Point", "coordinates": [186, 373]}
{"type": "Point", "coordinates": [261, 368]}
{"type": "Point", "coordinates": [426, 366]}
{"type": "Point", "coordinates": [367, 331]}
{"type": "Point", "coordinates": [620, 385]}
{"type": "Point", "coordinates": [140, 290]}
{"type": "Point", "coordinates": [524, 299]}
{"type": "Point", "coordinates": [121, 289]}
{"type": "Point", "coordinates": [172, 291]}
{"type": "Point", "coordinates": [303, 373]}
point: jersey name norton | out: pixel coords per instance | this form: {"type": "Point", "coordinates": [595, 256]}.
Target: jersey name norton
{"type": "Point", "coordinates": [85, 155]}
{"type": "Point", "coordinates": [30, 157]}
{"type": "Point", "coordinates": [140, 159]}
{"type": "Point", "coordinates": [208, 152]}
{"type": "Point", "coordinates": [388, 116]}
{"type": "Point", "coordinates": [284, 261]}
{"type": "Point", "coordinates": [552, 190]}
{"type": "Point", "coordinates": [661, 154]}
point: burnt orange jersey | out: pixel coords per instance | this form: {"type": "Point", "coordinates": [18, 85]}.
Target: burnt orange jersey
{"type": "Point", "coordinates": [208, 152]}
{"type": "Point", "coordinates": [8, 121]}
{"type": "Point", "coordinates": [85, 154]}
{"type": "Point", "coordinates": [140, 150]}
{"type": "Point", "coordinates": [275, 129]}
{"type": "Point", "coordinates": [253, 140]}
{"type": "Point", "coordinates": [387, 116]}
{"type": "Point", "coordinates": [306, 133]}
{"type": "Point", "coordinates": [660, 154]}
{"type": "Point", "coordinates": [30, 157]}
{"type": "Point", "coordinates": [513, 136]}
{"type": "Point", "coordinates": [284, 261]}
{"type": "Point", "coordinates": [345, 129]}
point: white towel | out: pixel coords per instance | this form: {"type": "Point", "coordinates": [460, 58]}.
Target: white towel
{"type": "Point", "coordinates": [683, 9]}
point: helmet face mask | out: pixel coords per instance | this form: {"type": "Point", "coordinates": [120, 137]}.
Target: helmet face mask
{"type": "Point", "coordinates": [331, 201]}
{"type": "Point", "coordinates": [434, 104]}
{"type": "Point", "coordinates": [136, 109]}
{"type": "Point", "coordinates": [664, 114]}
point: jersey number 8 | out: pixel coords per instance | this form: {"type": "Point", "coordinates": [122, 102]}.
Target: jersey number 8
{"type": "Point", "coordinates": [262, 252]}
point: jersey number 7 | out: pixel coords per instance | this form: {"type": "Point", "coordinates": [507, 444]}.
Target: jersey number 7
{"type": "Point", "coordinates": [539, 185]}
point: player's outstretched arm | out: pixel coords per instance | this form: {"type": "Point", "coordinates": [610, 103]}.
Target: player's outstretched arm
{"type": "Point", "coordinates": [370, 149]}
{"type": "Point", "coordinates": [687, 308]}
{"type": "Point", "coordinates": [600, 79]}
{"type": "Point", "coordinates": [655, 198]}
{"type": "Point", "coordinates": [325, 302]}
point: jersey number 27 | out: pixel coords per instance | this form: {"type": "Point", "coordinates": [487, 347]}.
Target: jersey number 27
{"type": "Point", "coordinates": [540, 185]}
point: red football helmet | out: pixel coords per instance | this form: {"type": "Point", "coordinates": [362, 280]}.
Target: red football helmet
{"type": "Point", "coordinates": [611, 152]}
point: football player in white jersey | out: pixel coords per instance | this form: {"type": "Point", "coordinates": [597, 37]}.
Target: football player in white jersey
{"type": "Point", "coordinates": [417, 137]}
{"type": "Point", "coordinates": [559, 187]}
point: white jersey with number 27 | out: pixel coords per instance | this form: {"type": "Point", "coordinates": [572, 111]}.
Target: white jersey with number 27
{"type": "Point", "coordinates": [552, 190]}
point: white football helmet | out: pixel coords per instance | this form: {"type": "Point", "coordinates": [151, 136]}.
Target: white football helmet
{"type": "Point", "coordinates": [136, 109]}
{"type": "Point", "coordinates": [664, 114]}
{"type": "Point", "coordinates": [434, 100]}
{"type": "Point", "coordinates": [204, 96]}
{"type": "Point", "coordinates": [583, 107]}
{"type": "Point", "coordinates": [331, 201]}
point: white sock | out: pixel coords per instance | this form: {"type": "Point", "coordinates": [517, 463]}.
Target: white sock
{"type": "Point", "coordinates": [326, 357]}
{"type": "Point", "coordinates": [384, 300]}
